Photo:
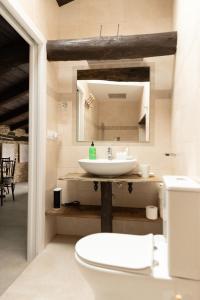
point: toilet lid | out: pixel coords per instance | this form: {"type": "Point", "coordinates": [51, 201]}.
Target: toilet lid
{"type": "Point", "coordinates": [133, 253]}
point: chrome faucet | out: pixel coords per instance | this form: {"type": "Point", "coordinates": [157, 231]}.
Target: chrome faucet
{"type": "Point", "coordinates": [109, 152]}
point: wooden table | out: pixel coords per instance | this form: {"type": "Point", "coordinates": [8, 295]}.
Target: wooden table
{"type": "Point", "coordinates": [106, 191]}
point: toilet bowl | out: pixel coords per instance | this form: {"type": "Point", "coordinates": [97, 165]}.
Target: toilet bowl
{"type": "Point", "coordinates": [131, 267]}
{"type": "Point", "coordinates": [153, 267]}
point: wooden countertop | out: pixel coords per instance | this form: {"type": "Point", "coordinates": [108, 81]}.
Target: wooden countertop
{"type": "Point", "coordinates": [124, 178]}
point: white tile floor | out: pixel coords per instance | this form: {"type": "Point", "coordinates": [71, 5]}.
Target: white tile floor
{"type": "Point", "coordinates": [13, 226]}
{"type": "Point", "coordinates": [53, 275]}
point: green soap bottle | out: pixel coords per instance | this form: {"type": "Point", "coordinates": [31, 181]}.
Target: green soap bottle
{"type": "Point", "coordinates": [92, 151]}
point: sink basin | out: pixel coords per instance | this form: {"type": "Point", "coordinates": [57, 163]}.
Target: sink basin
{"type": "Point", "coordinates": [105, 167]}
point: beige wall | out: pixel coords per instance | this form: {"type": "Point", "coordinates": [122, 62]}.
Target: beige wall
{"type": "Point", "coordinates": [44, 14]}
{"type": "Point", "coordinates": [83, 18]}
{"type": "Point", "coordinates": [74, 21]}
{"type": "Point", "coordinates": [186, 98]}
{"type": "Point", "coordinates": [134, 17]}
{"type": "Point", "coordinates": [114, 113]}
{"type": "Point", "coordinates": [52, 146]}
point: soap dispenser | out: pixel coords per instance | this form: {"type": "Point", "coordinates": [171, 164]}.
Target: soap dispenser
{"type": "Point", "coordinates": [92, 151]}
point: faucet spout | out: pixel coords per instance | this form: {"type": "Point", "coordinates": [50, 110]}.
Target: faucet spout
{"type": "Point", "coordinates": [109, 153]}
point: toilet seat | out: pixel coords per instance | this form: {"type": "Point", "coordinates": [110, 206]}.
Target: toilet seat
{"type": "Point", "coordinates": [123, 252]}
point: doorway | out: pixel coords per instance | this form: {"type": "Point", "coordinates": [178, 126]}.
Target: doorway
{"type": "Point", "coordinates": [14, 121]}
{"type": "Point", "coordinates": [14, 15]}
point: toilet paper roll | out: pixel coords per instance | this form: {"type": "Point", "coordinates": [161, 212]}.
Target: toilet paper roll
{"type": "Point", "coordinates": [151, 212]}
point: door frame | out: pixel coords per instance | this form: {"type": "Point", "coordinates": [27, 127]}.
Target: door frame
{"type": "Point", "coordinates": [14, 14]}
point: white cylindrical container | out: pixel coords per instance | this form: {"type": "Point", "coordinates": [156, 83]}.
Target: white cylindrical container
{"type": "Point", "coordinates": [144, 170]}
{"type": "Point", "coordinates": [57, 197]}
{"type": "Point", "coordinates": [152, 212]}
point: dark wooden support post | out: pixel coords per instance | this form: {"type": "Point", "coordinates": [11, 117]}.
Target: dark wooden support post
{"type": "Point", "coordinates": [130, 187]}
{"type": "Point", "coordinates": [1, 195]}
{"type": "Point", "coordinates": [96, 186]}
{"type": "Point", "coordinates": [106, 207]}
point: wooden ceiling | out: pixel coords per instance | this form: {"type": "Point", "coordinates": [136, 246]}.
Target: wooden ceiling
{"type": "Point", "coordinates": [14, 78]}
{"type": "Point", "coordinates": [63, 2]}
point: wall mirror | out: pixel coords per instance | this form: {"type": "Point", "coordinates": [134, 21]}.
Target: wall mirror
{"type": "Point", "coordinates": [113, 104]}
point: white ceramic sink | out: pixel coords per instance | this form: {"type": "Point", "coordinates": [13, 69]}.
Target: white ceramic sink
{"type": "Point", "coordinates": [105, 167]}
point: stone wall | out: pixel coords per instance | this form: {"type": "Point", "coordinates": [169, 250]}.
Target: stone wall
{"type": "Point", "coordinates": [21, 170]}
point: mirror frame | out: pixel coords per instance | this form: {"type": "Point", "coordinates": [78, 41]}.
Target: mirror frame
{"type": "Point", "coordinates": [126, 74]}
{"type": "Point", "coordinates": [101, 65]}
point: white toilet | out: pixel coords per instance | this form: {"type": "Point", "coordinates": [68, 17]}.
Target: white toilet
{"type": "Point", "coordinates": [153, 267]}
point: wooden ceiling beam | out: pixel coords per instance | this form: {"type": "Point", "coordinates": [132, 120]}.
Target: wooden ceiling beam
{"type": "Point", "coordinates": [20, 124]}
{"type": "Point", "coordinates": [15, 92]}
{"type": "Point", "coordinates": [13, 138]}
{"type": "Point", "coordinates": [8, 31]}
{"type": "Point", "coordinates": [63, 2]}
{"type": "Point", "coordinates": [134, 74]}
{"type": "Point", "coordinates": [14, 113]}
{"type": "Point", "coordinates": [110, 48]}
{"type": "Point", "coordinates": [12, 56]}
{"type": "Point", "coordinates": [25, 127]}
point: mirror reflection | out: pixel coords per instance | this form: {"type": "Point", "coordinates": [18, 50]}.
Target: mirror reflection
{"type": "Point", "coordinates": [113, 110]}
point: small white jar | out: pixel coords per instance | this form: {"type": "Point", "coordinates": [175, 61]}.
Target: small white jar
{"type": "Point", "coordinates": [144, 170]}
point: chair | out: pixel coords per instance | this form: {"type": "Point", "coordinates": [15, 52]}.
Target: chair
{"type": "Point", "coordinates": [5, 159]}
{"type": "Point", "coordinates": [1, 184]}
{"type": "Point", "coordinates": [8, 170]}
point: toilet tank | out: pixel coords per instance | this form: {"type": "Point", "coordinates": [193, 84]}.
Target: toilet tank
{"type": "Point", "coordinates": [182, 205]}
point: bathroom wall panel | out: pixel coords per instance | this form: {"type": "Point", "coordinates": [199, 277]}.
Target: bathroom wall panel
{"type": "Point", "coordinates": [69, 152]}
{"type": "Point", "coordinates": [186, 105]}
{"type": "Point", "coordinates": [134, 18]}
{"type": "Point", "coordinates": [52, 147]}
{"type": "Point", "coordinates": [74, 21]}
{"type": "Point", "coordinates": [44, 14]}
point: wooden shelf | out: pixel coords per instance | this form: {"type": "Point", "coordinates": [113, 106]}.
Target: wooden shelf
{"type": "Point", "coordinates": [94, 211]}
{"type": "Point", "coordinates": [132, 178]}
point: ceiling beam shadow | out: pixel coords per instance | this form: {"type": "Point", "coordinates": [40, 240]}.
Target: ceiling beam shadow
{"type": "Point", "coordinates": [136, 74]}
{"type": "Point", "coordinates": [12, 56]}
{"type": "Point", "coordinates": [15, 92]}
{"type": "Point", "coordinates": [20, 124]}
{"type": "Point", "coordinates": [14, 113]}
{"type": "Point", "coordinates": [63, 2]}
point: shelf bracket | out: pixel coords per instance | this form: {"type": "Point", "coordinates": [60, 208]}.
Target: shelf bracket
{"type": "Point", "coordinates": [130, 187]}
{"type": "Point", "coordinates": [96, 186]}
